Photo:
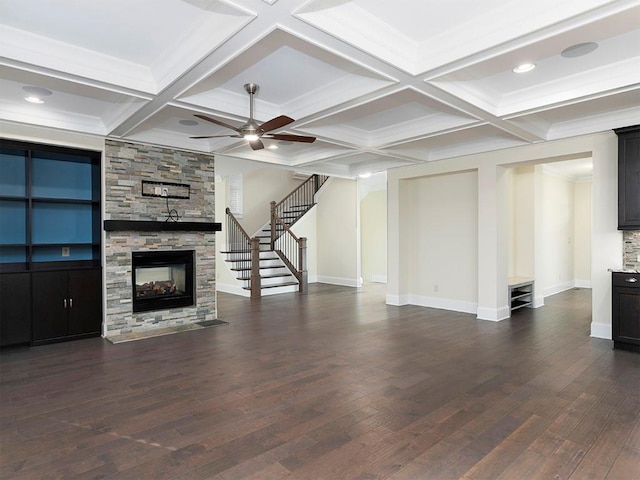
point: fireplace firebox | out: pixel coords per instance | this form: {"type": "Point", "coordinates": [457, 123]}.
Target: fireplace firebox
{"type": "Point", "coordinates": [162, 280]}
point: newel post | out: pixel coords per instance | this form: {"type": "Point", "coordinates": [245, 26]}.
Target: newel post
{"type": "Point", "coordinates": [255, 268]}
{"type": "Point", "coordinates": [273, 225]}
{"type": "Point", "coordinates": [302, 263]}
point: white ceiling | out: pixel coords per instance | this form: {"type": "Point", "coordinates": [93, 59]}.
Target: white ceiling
{"type": "Point", "coordinates": [380, 84]}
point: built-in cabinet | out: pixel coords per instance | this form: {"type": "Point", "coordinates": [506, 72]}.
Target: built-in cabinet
{"type": "Point", "coordinates": [629, 178]}
{"type": "Point", "coordinates": [50, 243]}
{"type": "Point", "coordinates": [626, 310]}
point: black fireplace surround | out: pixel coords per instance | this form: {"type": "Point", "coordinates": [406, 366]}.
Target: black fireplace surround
{"type": "Point", "coordinates": [162, 279]}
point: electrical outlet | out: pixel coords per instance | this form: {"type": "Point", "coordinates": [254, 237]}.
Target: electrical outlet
{"type": "Point", "coordinates": [157, 190]}
{"type": "Point", "coordinates": [66, 251]}
{"type": "Point", "coordinates": [165, 192]}
{"type": "Point", "coordinates": [638, 258]}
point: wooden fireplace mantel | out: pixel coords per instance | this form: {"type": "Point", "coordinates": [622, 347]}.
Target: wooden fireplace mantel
{"type": "Point", "coordinates": [155, 226]}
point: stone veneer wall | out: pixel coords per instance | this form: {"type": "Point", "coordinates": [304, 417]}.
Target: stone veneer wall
{"type": "Point", "coordinates": [126, 165]}
{"type": "Point", "coordinates": [631, 250]}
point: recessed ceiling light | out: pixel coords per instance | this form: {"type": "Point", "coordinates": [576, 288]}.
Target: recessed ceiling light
{"type": "Point", "coordinates": [579, 49]}
{"type": "Point", "coordinates": [270, 2]}
{"type": "Point", "coordinates": [272, 147]}
{"type": "Point", "coordinates": [36, 93]}
{"type": "Point", "coordinates": [524, 67]}
{"type": "Point", "coordinates": [365, 175]}
{"type": "Point", "coordinates": [34, 99]}
{"type": "Point", "coordinates": [188, 123]}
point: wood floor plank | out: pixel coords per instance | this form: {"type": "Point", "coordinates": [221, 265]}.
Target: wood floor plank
{"type": "Point", "coordinates": [331, 384]}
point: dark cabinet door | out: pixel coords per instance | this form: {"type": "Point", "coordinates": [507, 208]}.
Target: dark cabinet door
{"type": "Point", "coordinates": [629, 324]}
{"type": "Point", "coordinates": [629, 178]}
{"type": "Point", "coordinates": [625, 315]}
{"type": "Point", "coordinates": [50, 305]}
{"type": "Point", "coordinates": [85, 301]}
{"type": "Point", "coordinates": [15, 309]}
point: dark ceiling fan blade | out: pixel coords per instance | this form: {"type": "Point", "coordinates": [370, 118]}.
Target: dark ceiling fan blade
{"type": "Point", "coordinates": [291, 138]}
{"type": "Point", "coordinates": [218, 136]}
{"type": "Point", "coordinates": [256, 144]}
{"type": "Point", "coordinates": [275, 123]}
{"type": "Point", "coordinates": [217, 122]}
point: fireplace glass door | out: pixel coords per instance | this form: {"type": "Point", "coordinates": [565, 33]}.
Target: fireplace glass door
{"type": "Point", "coordinates": [162, 280]}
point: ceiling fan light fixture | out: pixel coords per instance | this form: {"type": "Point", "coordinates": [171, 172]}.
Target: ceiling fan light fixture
{"type": "Point", "coordinates": [251, 137]}
{"type": "Point", "coordinates": [524, 67]}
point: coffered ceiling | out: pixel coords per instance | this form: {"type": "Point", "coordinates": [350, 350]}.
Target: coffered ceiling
{"type": "Point", "coordinates": [380, 84]}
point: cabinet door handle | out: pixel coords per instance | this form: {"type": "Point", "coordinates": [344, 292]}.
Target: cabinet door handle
{"type": "Point", "coordinates": [71, 303]}
{"type": "Point", "coordinates": [631, 280]}
{"type": "Point", "coordinates": [64, 302]}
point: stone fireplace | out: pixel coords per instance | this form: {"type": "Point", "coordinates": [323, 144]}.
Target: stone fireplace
{"type": "Point", "coordinates": [126, 165]}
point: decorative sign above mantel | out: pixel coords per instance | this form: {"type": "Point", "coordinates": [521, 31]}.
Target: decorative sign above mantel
{"type": "Point", "coordinates": [155, 226]}
{"type": "Point", "coordinates": [165, 189]}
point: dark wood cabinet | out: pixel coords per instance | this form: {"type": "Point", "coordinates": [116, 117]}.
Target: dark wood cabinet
{"type": "Point", "coordinates": [626, 311]}
{"type": "Point", "coordinates": [15, 309]}
{"type": "Point", "coordinates": [50, 243]}
{"type": "Point", "coordinates": [66, 305]}
{"type": "Point", "coordinates": [629, 178]}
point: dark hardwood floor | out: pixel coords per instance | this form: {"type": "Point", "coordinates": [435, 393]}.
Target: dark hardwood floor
{"type": "Point", "coordinates": [330, 385]}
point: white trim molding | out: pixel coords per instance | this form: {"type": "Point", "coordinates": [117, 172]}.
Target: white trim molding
{"type": "Point", "coordinates": [443, 303]}
{"type": "Point", "coordinates": [345, 282]}
{"type": "Point", "coordinates": [493, 314]}
{"type": "Point", "coordinates": [601, 330]}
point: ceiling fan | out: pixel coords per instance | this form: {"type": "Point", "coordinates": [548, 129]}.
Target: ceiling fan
{"type": "Point", "coordinates": [253, 132]}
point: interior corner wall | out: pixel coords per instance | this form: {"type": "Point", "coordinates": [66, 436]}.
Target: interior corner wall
{"type": "Point", "coordinates": [337, 227]}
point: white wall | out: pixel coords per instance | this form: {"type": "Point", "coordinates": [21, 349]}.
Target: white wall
{"type": "Point", "coordinates": [307, 227]}
{"type": "Point", "coordinates": [260, 187]}
{"type": "Point", "coordinates": [557, 235]}
{"type": "Point", "coordinates": [443, 243]}
{"type": "Point", "coordinates": [337, 228]}
{"type": "Point", "coordinates": [582, 234]}
{"type": "Point", "coordinates": [522, 228]}
{"type": "Point", "coordinates": [493, 253]}
{"type": "Point", "coordinates": [373, 236]}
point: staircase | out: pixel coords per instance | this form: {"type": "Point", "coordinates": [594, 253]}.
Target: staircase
{"type": "Point", "coordinates": [274, 260]}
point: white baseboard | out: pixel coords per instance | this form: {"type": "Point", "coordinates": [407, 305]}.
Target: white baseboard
{"type": "Point", "coordinates": [443, 303]}
{"type": "Point", "coordinates": [601, 330]}
{"type": "Point", "coordinates": [583, 283]}
{"type": "Point", "coordinates": [379, 278]}
{"type": "Point", "coordinates": [397, 300]}
{"type": "Point", "coordinates": [538, 302]}
{"type": "Point", "coordinates": [493, 314]}
{"type": "Point", "coordinates": [345, 282]}
{"type": "Point", "coordinates": [559, 288]}
{"type": "Point", "coordinates": [233, 289]}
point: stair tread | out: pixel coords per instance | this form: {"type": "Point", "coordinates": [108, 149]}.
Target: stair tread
{"type": "Point", "coordinates": [261, 267]}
